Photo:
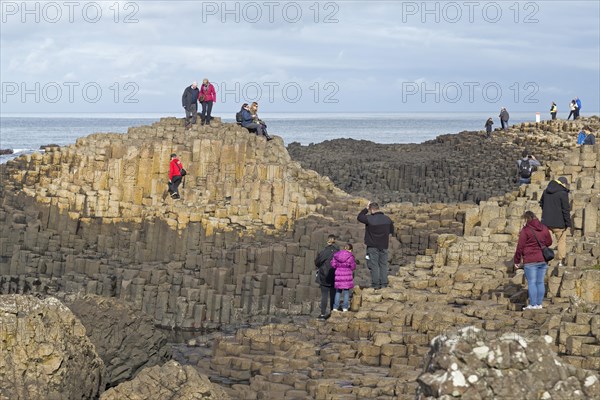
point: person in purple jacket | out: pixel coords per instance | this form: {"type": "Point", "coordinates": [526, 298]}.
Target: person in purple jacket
{"type": "Point", "coordinates": [344, 264]}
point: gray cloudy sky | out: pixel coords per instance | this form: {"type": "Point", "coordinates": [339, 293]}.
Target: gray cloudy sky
{"type": "Point", "coordinates": [305, 56]}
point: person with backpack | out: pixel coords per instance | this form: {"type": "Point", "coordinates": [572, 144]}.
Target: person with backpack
{"type": "Point", "coordinates": [526, 166]}
{"type": "Point", "coordinates": [189, 101]}
{"type": "Point", "coordinates": [488, 127]}
{"type": "Point", "coordinates": [344, 264]}
{"type": "Point", "coordinates": [207, 96]}
{"type": "Point", "coordinates": [553, 110]}
{"type": "Point", "coordinates": [581, 136]}
{"type": "Point", "coordinates": [556, 214]}
{"type": "Point", "coordinates": [249, 122]}
{"type": "Point", "coordinates": [325, 276]}
{"type": "Point", "coordinates": [504, 116]}
{"type": "Point", "coordinates": [238, 115]}
{"type": "Point", "coordinates": [528, 255]}
{"type": "Point", "coordinates": [176, 172]}
{"type": "Point", "coordinates": [578, 109]}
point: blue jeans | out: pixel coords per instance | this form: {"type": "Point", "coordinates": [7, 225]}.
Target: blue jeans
{"type": "Point", "coordinates": [523, 181]}
{"type": "Point", "coordinates": [336, 302]}
{"type": "Point", "coordinates": [535, 274]}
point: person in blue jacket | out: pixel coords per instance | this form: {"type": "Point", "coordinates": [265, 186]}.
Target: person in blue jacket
{"type": "Point", "coordinates": [248, 123]}
{"type": "Point", "coordinates": [578, 109]}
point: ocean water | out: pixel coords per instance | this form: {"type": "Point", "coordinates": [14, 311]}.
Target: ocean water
{"type": "Point", "coordinates": [25, 134]}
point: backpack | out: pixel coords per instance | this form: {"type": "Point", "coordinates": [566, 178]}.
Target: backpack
{"type": "Point", "coordinates": [525, 169]}
{"type": "Point", "coordinates": [238, 117]}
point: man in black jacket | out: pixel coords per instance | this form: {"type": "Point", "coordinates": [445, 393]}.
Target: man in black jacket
{"type": "Point", "coordinates": [189, 101]}
{"type": "Point", "coordinates": [325, 276]}
{"type": "Point", "coordinates": [556, 213]}
{"type": "Point", "coordinates": [378, 229]}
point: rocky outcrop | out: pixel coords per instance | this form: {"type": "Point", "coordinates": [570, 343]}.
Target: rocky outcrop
{"type": "Point", "coordinates": [171, 381]}
{"type": "Point", "coordinates": [45, 353]}
{"type": "Point", "coordinates": [6, 152]}
{"type": "Point", "coordinates": [124, 338]}
{"type": "Point", "coordinates": [470, 365]}
{"type": "Point", "coordinates": [451, 168]}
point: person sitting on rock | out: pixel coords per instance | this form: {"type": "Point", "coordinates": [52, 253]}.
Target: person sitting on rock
{"type": "Point", "coordinates": [238, 115]}
{"type": "Point", "coordinates": [344, 264]}
{"type": "Point", "coordinates": [526, 166]}
{"type": "Point", "coordinates": [249, 123]}
{"type": "Point", "coordinates": [528, 253]}
{"type": "Point", "coordinates": [256, 119]}
{"type": "Point", "coordinates": [325, 276]}
{"type": "Point", "coordinates": [176, 172]}
{"type": "Point", "coordinates": [589, 139]}
{"type": "Point", "coordinates": [488, 127]}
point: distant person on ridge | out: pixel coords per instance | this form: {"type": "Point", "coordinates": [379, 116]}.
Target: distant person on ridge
{"type": "Point", "coordinates": [488, 127]}
{"type": "Point", "coordinates": [255, 118]}
{"type": "Point", "coordinates": [378, 229]}
{"type": "Point", "coordinates": [325, 276]}
{"type": "Point", "coordinates": [248, 122]}
{"type": "Point", "coordinates": [176, 172]}
{"type": "Point", "coordinates": [553, 110]}
{"type": "Point", "coordinates": [344, 264]}
{"type": "Point", "coordinates": [556, 214]}
{"type": "Point", "coordinates": [578, 109]}
{"type": "Point", "coordinates": [504, 118]}
{"type": "Point", "coordinates": [238, 115]}
{"type": "Point", "coordinates": [207, 97]}
{"type": "Point", "coordinates": [525, 167]}
{"type": "Point", "coordinates": [573, 108]}
{"type": "Point", "coordinates": [189, 101]}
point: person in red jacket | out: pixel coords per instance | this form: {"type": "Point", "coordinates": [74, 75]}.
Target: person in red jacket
{"type": "Point", "coordinates": [175, 175]}
{"type": "Point", "coordinates": [207, 97]}
{"type": "Point", "coordinates": [532, 237]}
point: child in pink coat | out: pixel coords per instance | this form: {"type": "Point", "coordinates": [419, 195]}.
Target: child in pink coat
{"type": "Point", "coordinates": [344, 264]}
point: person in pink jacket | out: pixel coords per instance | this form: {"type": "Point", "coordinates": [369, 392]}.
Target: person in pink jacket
{"type": "Point", "coordinates": [207, 97]}
{"type": "Point", "coordinates": [344, 264]}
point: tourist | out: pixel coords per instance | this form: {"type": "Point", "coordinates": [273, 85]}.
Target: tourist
{"type": "Point", "coordinates": [553, 110]}
{"type": "Point", "coordinates": [189, 100]}
{"type": "Point", "coordinates": [532, 238]}
{"type": "Point", "coordinates": [578, 108]}
{"type": "Point", "coordinates": [504, 118]}
{"type": "Point", "coordinates": [581, 136]}
{"type": "Point", "coordinates": [488, 127]}
{"type": "Point", "coordinates": [556, 214]}
{"type": "Point", "coordinates": [238, 115]}
{"type": "Point", "coordinates": [249, 123]}
{"type": "Point", "coordinates": [256, 119]}
{"type": "Point", "coordinates": [344, 265]}
{"type": "Point", "coordinates": [176, 172]}
{"type": "Point", "coordinates": [573, 108]}
{"type": "Point", "coordinates": [207, 97]}
{"type": "Point", "coordinates": [325, 276]}
{"type": "Point", "coordinates": [525, 167]}
{"type": "Point", "coordinates": [589, 139]}
{"type": "Point", "coordinates": [377, 230]}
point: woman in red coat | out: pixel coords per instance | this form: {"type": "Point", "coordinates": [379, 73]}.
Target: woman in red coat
{"type": "Point", "coordinates": [207, 97]}
{"type": "Point", "coordinates": [532, 237]}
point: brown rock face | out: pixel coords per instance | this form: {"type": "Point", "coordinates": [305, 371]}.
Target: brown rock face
{"type": "Point", "coordinates": [125, 339]}
{"type": "Point", "coordinates": [45, 353]}
{"type": "Point", "coordinates": [171, 381]}
{"type": "Point", "coordinates": [470, 365]}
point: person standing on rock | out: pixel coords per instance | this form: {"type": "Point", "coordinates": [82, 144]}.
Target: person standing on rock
{"type": "Point", "coordinates": [578, 109]}
{"type": "Point", "coordinates": [488, 127]}
{"type": "Point", "coordinates": [556, 214]}
{"type": "Point", "coordinates": [207, 97]}
{"type": "Point", "coordinates": [504, 118]}
{"type": "Point", "coordinates": [378, 229]}
{"type": "Point", "coordinates": [553, 110]}
{"type": "Point", "coordinates": [176, 172]}
{"type": "Point", "coordinates": [573, 108]}
{"type": "Point", "coordinates": [529, 254]}
{"type": "Point", "coordinates": [526, 166]}
{"type": "Point", "coordinates": [344, 264]}
{"type": "Point", "coordinates": [325, 276]}
{"type": "Point", "coordinates": [189, 100]}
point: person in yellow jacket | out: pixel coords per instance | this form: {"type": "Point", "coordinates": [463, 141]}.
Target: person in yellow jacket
{"type": "Point", "coordinates": [553, 110]}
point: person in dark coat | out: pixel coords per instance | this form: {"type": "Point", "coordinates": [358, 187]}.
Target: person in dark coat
{"type": "Point", "coordinates": [325, 276]}
{"type": "Point", "coordinates": [488, 127]}
{"type": "Point", "coordinates": [556, 214]}
{"type": "Point", "coordinates": [504, 116]}
{"type": "Point", "coordinates": [529, 254]}
{"type": "Point", "coordinates": [189, 101]}
{"type": "Point", "coordinates": [378, 229]}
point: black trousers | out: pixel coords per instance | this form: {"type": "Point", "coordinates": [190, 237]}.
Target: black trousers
{"type": "Point", "coordinates": [553, 115]}
{"type": "Point", "coordinates": [573, 114]}
{"type": "Point", "coordinates": [206, 110]}
{"type": "Point", "coordinates": [327, 293]}
{"type": "Point", "coordinates": [174, 185]}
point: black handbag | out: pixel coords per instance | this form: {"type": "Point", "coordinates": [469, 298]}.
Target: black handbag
{"type": "Point", "coordinates": [547, 252]}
